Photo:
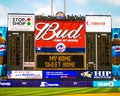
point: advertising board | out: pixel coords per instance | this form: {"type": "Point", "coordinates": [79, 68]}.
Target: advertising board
{"type": "Point", "coordinates": [6, 83]}
{"type": "Point", "coordinates": [50, 84]}
{"type": "Point", "coordinates": [106, 83]}
{"type": "Point", "coordinates": [26, 83]}
{"type": "Point", "coordinates": [59, 74]}
{"type": "Point", "coordinates": [76, 83]}
{"type": "Point", "coordinates": [116, 52]}
{"type": "Point", "coordinates": [60, 36]}
{"type": "Point", "coordinates": [20, 22]}
{"type": "Point", "coordinates": [3, 51]}
{"type": "Point", "coordinates": [92, 75]}
{"type": "Point", "coordinates": [98, 23]}
{"type": "Point", "coordinates": [24, 74]}
{"type": "Point", "coordinates": [29, 64]}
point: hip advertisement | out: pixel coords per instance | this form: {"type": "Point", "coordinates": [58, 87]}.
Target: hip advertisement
{"type": "Point", "coordinates": [94, 75]}
{"type": "Point", "coordinates": [60, 36]}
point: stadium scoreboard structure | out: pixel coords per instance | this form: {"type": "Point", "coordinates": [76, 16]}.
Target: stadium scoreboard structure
{"type": "Point", "coordinates": [61, 51]}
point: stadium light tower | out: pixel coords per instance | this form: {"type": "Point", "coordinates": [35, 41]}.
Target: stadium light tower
{"type": "Point", "coordinates": [65, 7]}
{"type": "Point", "coordinates": [51, 7]}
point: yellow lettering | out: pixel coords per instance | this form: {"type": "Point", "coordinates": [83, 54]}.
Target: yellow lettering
{"type": "Point", "coordinates": [64, 58]}
{"type": "Point", "coordinates": [52, 58]}
{"type": "Point", "coordinates": [68, 64]}
{"type": "Point", "coordinates": [52, 64]}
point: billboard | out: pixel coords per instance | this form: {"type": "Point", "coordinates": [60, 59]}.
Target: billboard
{"type": "Point", "coordinates": [98, 23]}
{"type": "Point", "coordinates": [76, 84]}
{"type": "Point", "coordinates": [116, 52]}
{"type": "Point", "coordinates": [24, 74]}
{"type": "Point", "coordinates": [3, 57]}
{"type": "Point", "coordinates": [106, 83]}
{"type": "Point", "coordinates": [60, 74]}
{"type": "Point", "coordinates": [94, 75]}
{"type": "Point", "coordinates": [26, 83]}
{"type": "Point", "coordinates": [6, 83]}
{"type": "Point", "coordinates": [20, 22]}
{"type": "Point", "coordinates": [50, 84]}
{"type": "Point", "coordinates": [60, 36]}
{"type": "Point", "coordinates": [29, 64]}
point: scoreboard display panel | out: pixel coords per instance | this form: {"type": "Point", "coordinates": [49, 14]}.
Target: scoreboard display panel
{"type": "Point", "coordinates": [60, 44]}
{"type": "Point", "coordinates": [64, 61]}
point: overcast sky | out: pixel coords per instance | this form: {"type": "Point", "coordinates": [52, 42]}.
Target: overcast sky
{"type": "Point", "coordinates": [75, 7]}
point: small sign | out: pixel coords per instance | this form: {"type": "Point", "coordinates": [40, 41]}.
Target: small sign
{"type": "Point", "coordinates": [60, 15]}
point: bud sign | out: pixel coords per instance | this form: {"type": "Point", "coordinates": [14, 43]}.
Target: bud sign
{"type": "Point", "coordinates": [67, 34]}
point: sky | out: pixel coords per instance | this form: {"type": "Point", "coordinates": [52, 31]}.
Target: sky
{"type": "Point", "coordinates": [73, 7]}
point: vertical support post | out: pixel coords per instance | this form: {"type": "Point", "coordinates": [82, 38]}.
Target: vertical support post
{"type": "Point", "coordinates": [23, 48]}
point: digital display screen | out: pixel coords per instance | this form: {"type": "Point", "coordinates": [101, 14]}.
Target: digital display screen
{"type": "Point", "coordinates": [58, 61]}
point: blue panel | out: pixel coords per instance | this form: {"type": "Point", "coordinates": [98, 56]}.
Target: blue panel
{"type": "Point", "coordinates": [59, 74]}
{"type": "Point", "coordinates": [54, 50]}
{"type": "Point", "coordinates": [106, 83]}
{"type": "Point", "coordinates": [6, 83]}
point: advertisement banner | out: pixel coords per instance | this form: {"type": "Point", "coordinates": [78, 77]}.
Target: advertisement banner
{"type": "Point", "coordinates": [29, 64]}
{"type": "Point", "coordinates": [50, 84]}
{"type": "Point", "coordinates": [24, 74]}
{"type": "Point", "coordinates": [116, 52]}
{"type": "Point", "coordinates": [76, 83]}
{"type": "Point", "coordinates": [3, 51]}
{"type": "Point", "coordinates": [95, 74]}
{"type": "Point", "coordinates": [60, 36]}
{"type": "Point", "coordinates": [59, 74]}
{"type": "Point", "coordinates": [25, 83]}
{"type": "Point", "coordinates": [6, 83]}
{"type": "Point", "coordinates": [20, 22]}
{"type": "Point", "coordinates": [106, 83]}
{"type": "Point", "coordinates": [98, 23]}
{"type": "Point", "coordinates": [60, 61]}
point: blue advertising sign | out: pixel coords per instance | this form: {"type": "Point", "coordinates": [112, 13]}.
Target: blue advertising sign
{"type": "Point", "coordinates": [106, 83]}
{"type": "Point", "coordinates": [3, 57]}
{"type": "Point", "coordinates": [95, 74]}
{"type": "Point", "coordinates": [6, 83]}
{"type": "Point", "coordinates": [60, 74]}
{"type": "Point", "coordinates": [3, 32]}
{"type": "Point", "coordinates": [25, 83]}
{"type": "Point", "coordinates": [76, 83]}
{"type": "Point", "coordinates": [116, 52]}
{"type": "Point", "coordinates": [49, 84]}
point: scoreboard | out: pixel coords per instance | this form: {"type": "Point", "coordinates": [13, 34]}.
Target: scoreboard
{"type": "Point", "coordinates": [69, 61]}
{"type": "Point", "coordinates": [60, 44]}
